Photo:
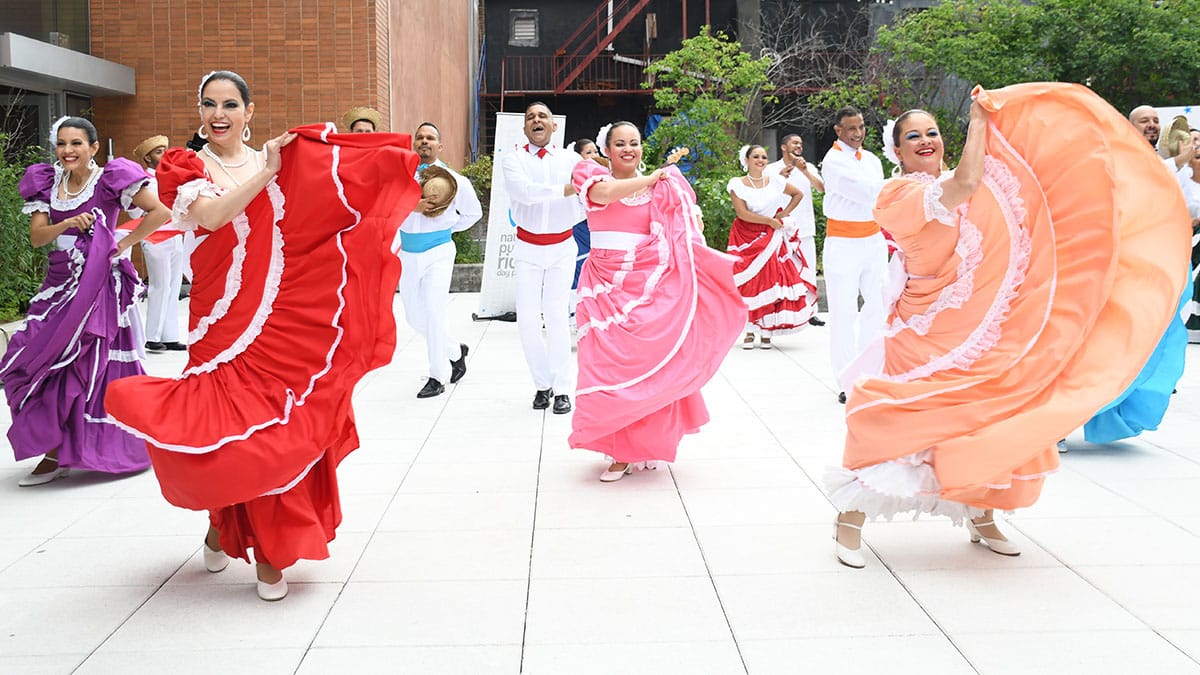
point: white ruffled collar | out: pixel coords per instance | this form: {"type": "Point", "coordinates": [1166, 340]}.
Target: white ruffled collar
{"type": "Point", "coordinates": [73, 202]}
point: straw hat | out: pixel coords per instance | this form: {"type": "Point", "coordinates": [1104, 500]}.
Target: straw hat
{"type": "Point", "coordinates": [1177, 135]}
{"type": "Point", "coordinates": [362, 113]}
{"type": "Point", "coordinates": [147, 146]}
{"type": "Point", "coordinates": [435, 174]}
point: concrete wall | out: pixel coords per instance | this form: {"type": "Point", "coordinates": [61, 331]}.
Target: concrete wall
{"type": "Point", "coordinates": [431, 59]}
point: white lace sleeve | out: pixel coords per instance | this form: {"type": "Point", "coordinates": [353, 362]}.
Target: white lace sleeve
{"type": "Point", "coordinates": [934, 208]}
{"type": "Point", "coordinates": [188, 193]}
{"type": "Point", "coordinates": [35, 206]}
{"type": "Point", "coordinates": [128, 193]}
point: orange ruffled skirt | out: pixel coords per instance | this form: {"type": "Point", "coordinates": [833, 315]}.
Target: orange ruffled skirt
{"type": "Point", "coordinates": [1097, 258]}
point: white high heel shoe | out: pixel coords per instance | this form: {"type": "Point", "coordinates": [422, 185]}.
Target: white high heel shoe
{"type": "Point", "coordinates": [850, 557]}
{"type": "Point", "coordinates": [609, 476]}
{"type": "Point", "coordinates": [1001, 546]}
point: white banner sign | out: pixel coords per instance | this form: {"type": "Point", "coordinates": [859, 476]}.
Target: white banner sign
{"type": "Point", "coordinates": [498, 289]}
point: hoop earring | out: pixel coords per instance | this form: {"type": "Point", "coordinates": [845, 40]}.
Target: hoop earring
{"type": "Point", "coordinates": [92, 165]}
{"type": "Point", "coordinates": [201, 133]}
{"type": "Point", "coordinates": [246, 133]}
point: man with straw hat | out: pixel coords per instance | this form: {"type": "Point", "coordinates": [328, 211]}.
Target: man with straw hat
{"type": "Point", "coordinates": [362, 120]}
{"type": "Point", "coordinates": [423, 243]}
{"type": "Point", "coordinates": [165, 260]}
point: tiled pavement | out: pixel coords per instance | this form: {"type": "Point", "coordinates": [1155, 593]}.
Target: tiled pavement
{"type": "Point", "coordinates": [475, 541]}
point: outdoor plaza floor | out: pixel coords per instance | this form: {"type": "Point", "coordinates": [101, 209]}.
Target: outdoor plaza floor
{"type": "Point", "coordinates": [476, 541]}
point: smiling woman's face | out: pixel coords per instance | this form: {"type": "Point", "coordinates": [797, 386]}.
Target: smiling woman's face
{"type": "Point", "coordinates": [920, 146]}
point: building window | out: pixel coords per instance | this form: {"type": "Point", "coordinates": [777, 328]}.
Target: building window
{"type": "Point", "coordinates": [523, 27]}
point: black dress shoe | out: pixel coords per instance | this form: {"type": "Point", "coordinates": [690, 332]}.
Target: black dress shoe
{"type": "Point", "coordinates": [155, 347]}
{"type": "Point", "coordinates": [175, 346]}
{"type": "Point", "coordinates": [815, 322]}
{"type": "Point", "coordinates": [432, 388]}
{"type": "Point", "coordinates": [541, 400]}
{"type": "Point", "coordinates": [562, 404]}
{"type": "Point", "coordinates": [842, 397]}
{"type": "Point", "coordinates": [458, 368]}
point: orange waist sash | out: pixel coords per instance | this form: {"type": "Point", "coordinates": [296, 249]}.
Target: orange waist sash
{"type": "Point", "coordinates": [855, 229]}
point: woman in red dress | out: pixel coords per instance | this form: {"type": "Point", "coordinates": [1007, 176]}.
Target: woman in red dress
{"type": "Point", "coordinates": [290, 306]}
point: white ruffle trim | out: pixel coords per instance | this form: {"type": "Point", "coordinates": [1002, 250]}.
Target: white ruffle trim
{"type": "Point", "coordinates": [1006, 189]}
{"type": "Point", "coordinates": [233, 280]}
{"type": "Point", "coordinates": [188, 193]}
{"type": "Point", "coordinates": [35, 206]}
{"type": "Point", "coordinates": [582, 191]}
{"type": "Point", "coordinates": [128, 193]}
{"type": "Point", "coordinates": [663, 249]}
{"type": "Point", "coordinates": [904, 485]}
{"type": "Point", "coordinates": [934, 208]}
{"type": "Point", "coordinates": [694, 235]}
{"type": "Point", "coordinates": [269, 292]}
{"type": "Point", "coordinates": [78, 200]}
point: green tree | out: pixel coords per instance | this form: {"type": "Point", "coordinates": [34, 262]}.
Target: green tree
{"type": "Point", "coordinates": [706, 87]}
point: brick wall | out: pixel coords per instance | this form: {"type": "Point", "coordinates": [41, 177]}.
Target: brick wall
{"type": "Point", "coordinates": [305, 61]}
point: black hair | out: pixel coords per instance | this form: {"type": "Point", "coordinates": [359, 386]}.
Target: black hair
{"type": "Point", "coordinates": [196, 143]}
{"type": "Point", "coordinates": [580, 142]}
{"type": "Point", "coordinates": [788, 137]}
{"type": "Point", "coordinates": [242, 87]}
{"type": "Point", "coordinates": [843, 113]}
{"type": "Point", "coordinates": [81, 123]}
{"type": "Point", "coordinates": [900, 120]}
{"type": "Point", "coordinates": [431, 125]}
{"type": "Point", "coordinates": [547, 107]}
{"type": "Point", "coordinates": [617, 125]}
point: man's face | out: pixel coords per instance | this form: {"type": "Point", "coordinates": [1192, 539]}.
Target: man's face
{"type": "Point", "coordinates": [428, 144]}
{"type": "Point", "coordinates": [155, 157]}
{"type": "Point", "coordinates": [794, 147]}
{"type": "Point", "coordinates": [1145, 120]}
{"type": "Point", "coordinates": [539, 125]}
{"type": "Point", "coordinates": [362, 127]}
{"type": "Point", "coordinates": [851, 131]}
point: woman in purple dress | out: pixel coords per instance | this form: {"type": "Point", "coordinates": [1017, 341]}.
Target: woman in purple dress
{"type": "Point", "coordinates": [79, 332]}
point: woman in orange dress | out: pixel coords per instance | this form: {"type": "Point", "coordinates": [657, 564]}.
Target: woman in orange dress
{"type": "Point", "coordinates": [1021, 275]}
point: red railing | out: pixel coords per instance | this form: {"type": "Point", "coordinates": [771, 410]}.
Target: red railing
{"type": "Point", "coordinates": [592, 36]}
{"type": "Point", "coordinates": [605, 73]}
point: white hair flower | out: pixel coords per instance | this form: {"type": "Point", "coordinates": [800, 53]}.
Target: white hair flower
{"type": "Point", "coordinates": [889, 145]}
{"type": "Point", "coordinates": [203, 81]}
{"type": "Point", "coordinates": [54, 129]}
{"type": "Point", "coordinates": [742, 153]}
{"type": "Point", "coordinates": [602, 139]}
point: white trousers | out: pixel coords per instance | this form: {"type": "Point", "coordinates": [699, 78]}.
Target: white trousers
{"type": "Point", "coordinates": [854, 266]}
{"type": "Point", "coordinates": [425, 292]}
{"type": "Point", "coordinates": [164, 267]}
{"type": "Point", "coordinates": [544, 275]}
{"type": "Point", "coordinates": [808, 246]}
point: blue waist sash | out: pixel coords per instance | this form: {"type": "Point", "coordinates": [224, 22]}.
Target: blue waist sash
{"type": "Point", "coordinates": [419, 242]}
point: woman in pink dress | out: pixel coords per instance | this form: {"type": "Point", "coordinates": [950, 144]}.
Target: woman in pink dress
{"type": "Point", "coordinates": [779, 285]}
{"type": "Point", "coordinates": [658, 310]}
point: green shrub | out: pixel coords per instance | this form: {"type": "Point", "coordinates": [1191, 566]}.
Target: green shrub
{"type": "Point", "coordinates": [24, 267]}
{"type": "Point", "coordinates": [470, 242]}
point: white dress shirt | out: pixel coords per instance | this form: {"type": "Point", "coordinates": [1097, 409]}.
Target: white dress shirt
{"type": "Point", "coordinates": [535, 189]}
{"type": "Point", "coordinates": [851, 184]}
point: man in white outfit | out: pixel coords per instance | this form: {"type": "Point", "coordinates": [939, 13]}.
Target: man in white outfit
{"type": "Point", "coordinates": [427, 262]}
{"type": "Point", "coordinates": [537, 177]}
{"type": "Point", "coordinates": [855, 253]}
{"type": "Point", "coordinates": [165, 263]}
{"type": "Point", "coordinates": [797, 171]}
